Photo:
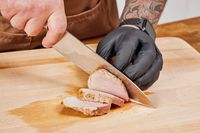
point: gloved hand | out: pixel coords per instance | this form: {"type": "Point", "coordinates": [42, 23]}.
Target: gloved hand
{"type": "Point", "coordinates": [32, 15]}
{"type": "Point", "coordinates": [136, 55]}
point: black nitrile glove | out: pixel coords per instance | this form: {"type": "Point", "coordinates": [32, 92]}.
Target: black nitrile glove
{"type": "Point", "coordinates": [136, 55]}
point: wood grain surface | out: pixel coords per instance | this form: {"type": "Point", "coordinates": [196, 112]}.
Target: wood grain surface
{"type": "Point", "coordinates": [188, 30]}
{"type": "Point", "coordinates": [33, 84]}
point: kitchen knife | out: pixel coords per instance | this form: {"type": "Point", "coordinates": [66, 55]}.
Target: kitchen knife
{"type": "Point", "coordinates": [85, 58]}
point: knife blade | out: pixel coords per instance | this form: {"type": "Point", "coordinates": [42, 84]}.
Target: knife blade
{"type": "Point", "coordinates": [85, 58]}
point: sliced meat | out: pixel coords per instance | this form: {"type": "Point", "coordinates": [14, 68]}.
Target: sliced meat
{"type": "Point", "coordinates": [104, 81]}
{"type": "Point", "coordinates": [86, 107]}
{"type": "Point", "coordinates": [98, 96]}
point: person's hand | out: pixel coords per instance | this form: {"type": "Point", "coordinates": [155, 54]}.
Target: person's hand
{"type": "Point", "coordinates": [32, 15]}
{"type": "Point", "coordinates": [136, 55]}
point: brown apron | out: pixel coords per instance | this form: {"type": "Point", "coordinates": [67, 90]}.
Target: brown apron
{"type": "Point", "coordinates": [86, 19]}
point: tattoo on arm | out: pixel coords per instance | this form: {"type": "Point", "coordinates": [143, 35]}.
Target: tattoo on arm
{"type": "Point", "coordinates": [149, 9]}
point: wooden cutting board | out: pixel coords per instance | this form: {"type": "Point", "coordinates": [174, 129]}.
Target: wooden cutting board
{"type": "Point", "coordinates": [33, 84]}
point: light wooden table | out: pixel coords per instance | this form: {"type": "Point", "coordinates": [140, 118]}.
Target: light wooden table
{"type": "Point", "coordinates": [34, 82]}
{"type": "Point", "coordinates": [188, 30]}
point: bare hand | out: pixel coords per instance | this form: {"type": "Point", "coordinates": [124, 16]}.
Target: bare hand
{"type": "Point", "coordinates": [32, 15]}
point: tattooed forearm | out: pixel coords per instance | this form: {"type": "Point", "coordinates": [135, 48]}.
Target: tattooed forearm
{"type": "Point", "coordinates": [149, 9]}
